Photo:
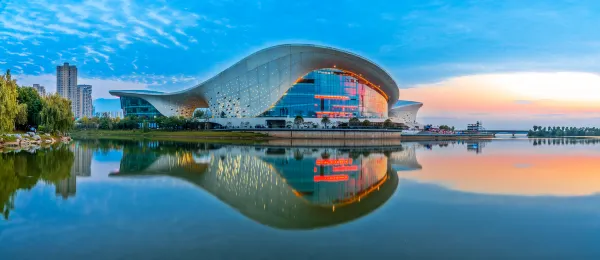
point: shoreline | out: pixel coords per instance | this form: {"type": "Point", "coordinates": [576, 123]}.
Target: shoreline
{"type": "Point", "coordinates": [282, 135]}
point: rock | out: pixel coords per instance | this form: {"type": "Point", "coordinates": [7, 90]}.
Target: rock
{"type": "Point", "coordinates": [36, 137]}
{"type": "Point", "coordinates": [11, 144]}
{"type": "Point", "coordinates": [48, 141]}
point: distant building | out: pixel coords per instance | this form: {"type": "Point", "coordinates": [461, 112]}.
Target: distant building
{"type": "Point", "coordinates": [109, 114]}
{"type": "Point", "coordinates": [83, 102]}
{"type": "Point", "coordinates": [66, 84]}
{"type": "Point", "coordinates": [477, 127]}
{"type": "Point", "coordinates": [40, 89]}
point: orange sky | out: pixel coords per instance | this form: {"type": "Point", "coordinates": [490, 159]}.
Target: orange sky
{"type": "Point", "coordinates": [511, 99]}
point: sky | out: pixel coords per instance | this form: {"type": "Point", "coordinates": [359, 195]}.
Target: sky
{"type": "Point", "coordinates": [510, 64]}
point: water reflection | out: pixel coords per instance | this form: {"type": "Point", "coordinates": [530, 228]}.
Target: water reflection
{"type": "Point", "coordinates": [509, 199]}
{"type": "Point", "coordinates": [288, 188]}
{"type": "Point", "coordinates": [21, 170]}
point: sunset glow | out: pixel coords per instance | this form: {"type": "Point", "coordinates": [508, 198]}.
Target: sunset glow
{"type": "Point", "coordinates": [503, 98]}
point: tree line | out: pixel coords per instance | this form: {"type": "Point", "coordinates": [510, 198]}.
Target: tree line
{"type": "Point", "coordinates": [22, 108]}
{"type": "Point", "coordinates": [558, 131]}
{"type": "Point", "coordinates": [173, 123]}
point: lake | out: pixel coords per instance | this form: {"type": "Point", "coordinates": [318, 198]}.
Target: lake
{"type": "Point", "coordinates": [512, 198]}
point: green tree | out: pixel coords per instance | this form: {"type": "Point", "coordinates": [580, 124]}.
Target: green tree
{"type": "Point", "coordinates": [8, 102]}
{"type": "Point", "coordinates": [388, 123]}
{"type": "Point", "coordinates": [366, 123]}
{"type": "Point", "coordinates": [30, 97]}
{"type": "Point", "coordinates": [199, 114]}
{"type": "Point", "coordinates": [21, 119]}
{"type": "Point", "coordinates": [354, 121]}
{"type": "Point", "coordinates": [325, 121]}
{"type": "Point", "coordinates": [105, 123]}
{"type": "Point", "coordinates": [56, 114]}
{"type": "Point", "coordinates": [298, 121]}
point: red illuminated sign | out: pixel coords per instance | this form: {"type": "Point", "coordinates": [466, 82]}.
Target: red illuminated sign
{"type": "Point", "coordinates": [340, 161]}
{"type": "Point", "coordinates": [331, 178]}
{"type": "Point", "coordinates": [345, 168]}
{"type": "Point", "coordinates": [332, 97]}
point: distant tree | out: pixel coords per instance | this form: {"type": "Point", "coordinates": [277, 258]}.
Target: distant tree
{"type": "Point", "coordinates": [354, 121]}
{"type": "Point", "coordinates": [388, 123]}
{"type": "Point", "coordinates": [366, 123]}
{"type": "Point", "coordinates": [298, 121]}
{"type": "Point", "coordinates": [325, 121]}
{"type": "Point", "coordinates": [106, 123]}
{"type": "Point", "coordinates": [446, 127]}
{"type": "Point", "coordinates": [8, 102]}
{"type": "Point", "coordinates": [198, 114]}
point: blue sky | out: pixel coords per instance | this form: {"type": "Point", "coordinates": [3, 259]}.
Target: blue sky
{"type": "Point", "coordinates": [169, 45]}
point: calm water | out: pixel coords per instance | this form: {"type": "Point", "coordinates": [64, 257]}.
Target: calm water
{"type": "Point", "coordinates": [500, 199]}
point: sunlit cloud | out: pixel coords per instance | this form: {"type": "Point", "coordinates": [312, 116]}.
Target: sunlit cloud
{"type": "Point", "coordinates": [511, 97]}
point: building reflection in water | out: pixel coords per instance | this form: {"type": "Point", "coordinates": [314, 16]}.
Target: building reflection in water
{"type": "Point", "coordinates": [288, 188]}
{"type": "Point", "coordinates": [82, 167]}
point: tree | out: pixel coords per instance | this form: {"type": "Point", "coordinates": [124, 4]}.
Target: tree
{"type": "Point", "coordinates": [30, 97]}
{"type": "Point", "coordinates": [325, 121]}
{"type": "Point", "coordinates": [445, 127]}
{"type": "Point", "coordinates": [105, 123]}
{"type": "Point", "coordinates": [56, 114]}
{"type": "Point", "coordinates": [21, 118]}
{"type": "Point", "coordinates": [366, 123]}
{"type": "Point", "coordinates": [198, 114]}
{"type": "Point", "coordinates": [354, 121]}
{"type": "Point", "coordinates": [8, 102]}
{"type": "Point", "coordinates": [298, 121]}
{"type": "Point", "coordinates": [388, 123]}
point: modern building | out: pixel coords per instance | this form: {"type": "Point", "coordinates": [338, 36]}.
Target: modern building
{"type": "Point", "coordinates": [140, 107]}
{"type": "Point", "coordinates": [274, 85]}
{"type": "Point", "coordinates": [83, 101]}
{"type": "Point", "coordinates": [406, 112]}
{"type": "Point", "coordinates": [40, 89]}
{"type": "Point", "coordinates": [80, 95]}
{"type": "Point", "coordinates": [66, 83]}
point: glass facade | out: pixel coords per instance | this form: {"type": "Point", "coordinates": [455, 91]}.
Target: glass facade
{"type": "Point", "coordinates": [133, 106]}
{"type": "Point", "coordinates": [333, 93]}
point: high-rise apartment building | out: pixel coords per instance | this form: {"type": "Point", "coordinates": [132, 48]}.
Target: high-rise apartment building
{"type": "Point", "coordinates": [83, 101]}
{"type": "Point", "coordinates": [80, 95]}
{"type": "Point", "coordinates": [40, 89]}
{"type": "Point", "coordinates": [66, 84]}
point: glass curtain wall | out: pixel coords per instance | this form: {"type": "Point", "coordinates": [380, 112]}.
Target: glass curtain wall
{"type": "Point", "coordinates": [133, 106]}
{"type": "Point", "coordinates": [332, 93]}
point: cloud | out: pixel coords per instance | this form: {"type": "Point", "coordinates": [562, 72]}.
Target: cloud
{"type": "Point", "coordinates": [501, 98]}
{"type": "Point", "coordinates": [139, 31]}
{"type": "Point", "coordinates": [159, 18]}
{"type": "Point", "coordinates": [64, 29]}
{"type": "Point", "coordinates": [69, 20]}
{"type": "Point", "coordinates": [122, 38]}
{"type": "Point", "coordinates": [523, 102]}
